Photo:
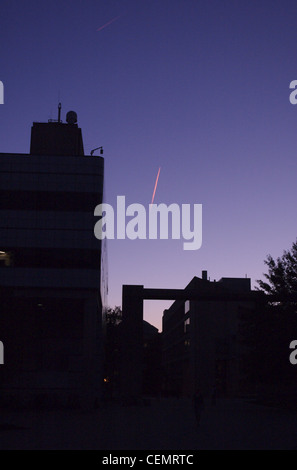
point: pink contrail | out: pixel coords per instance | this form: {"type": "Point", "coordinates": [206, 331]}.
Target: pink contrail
{"type": "Point", "coordinates": [156, 183]}
{"type": "Point", "coordinates": [109, 22]}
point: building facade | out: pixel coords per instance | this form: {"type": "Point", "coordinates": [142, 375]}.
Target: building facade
{"type": "Point", "coordinates": [201, 339]}
{"type": "Point", "coordinates": [51, 270]}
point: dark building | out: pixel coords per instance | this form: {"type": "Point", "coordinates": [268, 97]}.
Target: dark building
{"type": "Point", "coordinates": [51, 269]}
{"type": "Point", "coordinates": [201, 340]}
{"type": "Point", "coordinates": [115, 345]}
{"type": "Point", "coordinates": [152, 355]}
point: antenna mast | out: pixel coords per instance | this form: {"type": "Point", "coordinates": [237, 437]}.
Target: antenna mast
{"type": "Point", "coordinates": [59, 112]}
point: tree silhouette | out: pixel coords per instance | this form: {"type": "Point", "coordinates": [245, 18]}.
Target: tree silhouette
{"type": "Point", "coordinates": [282, 273]}
{"type": "Point", "coordinates": [268, 331]}
{"type": "Point", "coordinates": [113, 316]}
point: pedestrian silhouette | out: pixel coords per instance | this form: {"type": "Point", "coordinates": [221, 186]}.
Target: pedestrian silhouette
{"type": "Point", "coordinates": [198, 402]}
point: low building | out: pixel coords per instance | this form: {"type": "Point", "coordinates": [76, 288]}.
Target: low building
{"type": "Point", "coordinates": [201, 340]}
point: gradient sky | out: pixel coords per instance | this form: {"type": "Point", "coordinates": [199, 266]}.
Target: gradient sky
{"type": "Point", "coordinates": [198, 88]}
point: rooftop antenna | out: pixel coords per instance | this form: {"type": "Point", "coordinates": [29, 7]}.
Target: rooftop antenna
{"type": "Point", "coordinates": [59, 112]}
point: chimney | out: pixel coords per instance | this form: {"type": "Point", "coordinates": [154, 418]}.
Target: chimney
{"type": "Point", "coordinates": [204, 275]}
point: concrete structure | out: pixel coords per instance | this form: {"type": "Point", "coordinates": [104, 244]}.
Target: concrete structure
{"type": "Point", "coordinates": [132, 342]}
{"type": "Point", "coordinates": [220, 294]}
{"type": "Point", "coordinates": [152, 360]}
{"type": "Point", "coordinates": [201, 344]}
{"type": "Point", "coordinates": [51, 269]}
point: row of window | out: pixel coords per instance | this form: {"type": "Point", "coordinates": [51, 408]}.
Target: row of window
{"type": "Point", "coordinates": [49, 201]}
{"type": "Point", "coordinates": [50, 258]}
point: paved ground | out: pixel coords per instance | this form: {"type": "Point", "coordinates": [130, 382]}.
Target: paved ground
{"type": "Point", "coordinates": [167, 424]}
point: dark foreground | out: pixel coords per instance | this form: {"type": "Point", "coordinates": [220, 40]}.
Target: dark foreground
{"type": "Point", "coordinates": [166, 424]}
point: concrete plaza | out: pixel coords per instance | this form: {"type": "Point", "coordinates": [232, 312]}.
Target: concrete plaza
{"type": "Point", "coordinates": [165, 424]}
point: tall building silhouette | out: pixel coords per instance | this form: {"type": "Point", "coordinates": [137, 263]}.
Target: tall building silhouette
{"type": "Point", "coordinates": [51, 269]}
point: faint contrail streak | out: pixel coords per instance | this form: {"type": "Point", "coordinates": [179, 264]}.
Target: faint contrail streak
{"type": "Point", "coordinates": [156, 183]}
{"type": "Point", "coordinates": [109, 22]}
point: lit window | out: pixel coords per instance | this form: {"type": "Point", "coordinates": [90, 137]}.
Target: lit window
{"type": "Point", "coordinates": [5, 258]}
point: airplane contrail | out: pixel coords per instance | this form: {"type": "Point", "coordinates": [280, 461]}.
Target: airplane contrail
{"type": "Point", "coordinates": [109, 22]}
{"type": "Point", "coordinates": [156, 183]}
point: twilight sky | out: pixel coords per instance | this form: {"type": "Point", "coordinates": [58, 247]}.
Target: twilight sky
{"type": "Point", "coordinates": [199, 88]}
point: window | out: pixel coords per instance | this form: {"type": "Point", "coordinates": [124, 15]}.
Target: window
{"type": "Point", "coordinates": [50, 258]}
{"type": "Point", "coordinates": [186, 325]}
{"type": "Point", "coordinates": [62, 201]}
{"type": "Point", "coordinates": [187, 306]}
{"type": "Point", "coordinates": [5, 258]}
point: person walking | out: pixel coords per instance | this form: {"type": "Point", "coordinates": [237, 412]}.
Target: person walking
{"type": "Point", "coordinates": [198, 402]}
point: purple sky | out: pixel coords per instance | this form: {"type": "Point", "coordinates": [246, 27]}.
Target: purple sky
{"type": "Point", "coordinates": [200, 88]}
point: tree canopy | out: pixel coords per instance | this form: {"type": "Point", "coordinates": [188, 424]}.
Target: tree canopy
{"type": "Point", "coordinates": [267, 332]}
{"type": "Point", "coordinates": [113, 316]}
{"type": "Point", "coordinates": [282, 273]}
